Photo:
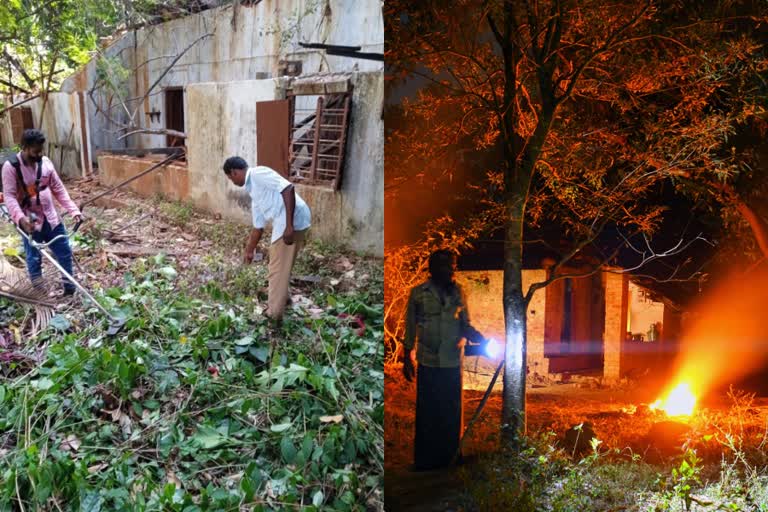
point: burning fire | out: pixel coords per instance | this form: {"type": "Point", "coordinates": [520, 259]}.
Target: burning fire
{"type": "Point", "coordinates": [679, 402]}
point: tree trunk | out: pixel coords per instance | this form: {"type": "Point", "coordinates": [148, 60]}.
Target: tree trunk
{"type": "Point", "coordinates": [513, 408]}
{"type": "Point", "coordinates": [518, 178]}
{"type": "Point", "coordinates": [759, 228]}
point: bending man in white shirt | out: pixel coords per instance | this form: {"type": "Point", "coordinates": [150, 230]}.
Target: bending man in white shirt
{"type": "Point", "coordinates": [273, 199]}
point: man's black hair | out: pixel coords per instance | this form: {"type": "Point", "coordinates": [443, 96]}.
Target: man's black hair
{"type": "Point", "coordinates": [234, 162]}
{"type": "Point", "coordinates": [32, 137]}
{"type": "Point", "coordinates": [440, 255]}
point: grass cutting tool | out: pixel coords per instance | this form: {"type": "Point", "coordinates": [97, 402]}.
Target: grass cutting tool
{"type": "Point", "coordinates": [115, 324]}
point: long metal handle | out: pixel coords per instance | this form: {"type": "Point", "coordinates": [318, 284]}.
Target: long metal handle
{"type": "Point", "coordinates": [44, 252]}
{"type": "Point", "coordinates": [38, 245]}
{"type": "Point", "coordinates": [43, 248]}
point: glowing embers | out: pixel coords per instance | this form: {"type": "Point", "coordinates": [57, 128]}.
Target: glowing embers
{"type": "Point", "coordinates": [679, 402]}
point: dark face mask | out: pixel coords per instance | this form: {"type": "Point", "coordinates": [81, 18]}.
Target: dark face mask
{"type": "Point", "coordinates": [34, 154]}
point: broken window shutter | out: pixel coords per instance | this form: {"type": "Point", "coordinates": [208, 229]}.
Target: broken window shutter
{"type": "Point", "coordinates": [318, 139]}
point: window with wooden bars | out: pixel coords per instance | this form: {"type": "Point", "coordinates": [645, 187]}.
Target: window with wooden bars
{"type": "Point", "coordinates": [319, 125]}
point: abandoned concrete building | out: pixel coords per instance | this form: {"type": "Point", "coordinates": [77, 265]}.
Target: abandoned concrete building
{"type": "Point", "coordinates": [604, 325]}
{"type": "Point", "coordinates": [294, 85]}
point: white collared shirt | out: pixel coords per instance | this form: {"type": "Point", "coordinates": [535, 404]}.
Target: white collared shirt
{"type": "Point", "coordinates": [265, 187]}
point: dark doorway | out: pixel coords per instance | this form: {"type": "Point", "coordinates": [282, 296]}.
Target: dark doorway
{"type": "Point", "coordinates": [567, 331]}
{"type": "Point", "coordinates": [174, 115]}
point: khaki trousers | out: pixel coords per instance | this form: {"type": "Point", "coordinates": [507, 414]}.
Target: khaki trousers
{"type": "Point", "coordinates": [281, 260]}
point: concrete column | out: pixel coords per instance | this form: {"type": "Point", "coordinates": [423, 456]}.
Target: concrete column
{"type": "Point", "coordinates": [616, 306]}
{"type": "Point", "coordinates": [536, 317]}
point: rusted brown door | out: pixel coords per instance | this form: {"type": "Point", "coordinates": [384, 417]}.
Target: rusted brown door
{"type": "Point", "coordinates": [17, 124]}
{"type": "Point", "coordinates": [26, 115]}
{"type": "Point", "coordinates": [174, 114]}
{"type": "Point", "coordinates": [273, 134]}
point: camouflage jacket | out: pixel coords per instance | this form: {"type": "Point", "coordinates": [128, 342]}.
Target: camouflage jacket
{"type": "Point", "coordinates": [439, 324]}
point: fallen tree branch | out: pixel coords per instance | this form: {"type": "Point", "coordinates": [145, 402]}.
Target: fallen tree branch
{"type": "Point", "coordinates": [19, 103]}
{"type": "Point", "coordinates": [173, 133]}
{"type": "Point", "coordinates": [133, 222]}
{"type": "Point", "coordinates": [158, 165]}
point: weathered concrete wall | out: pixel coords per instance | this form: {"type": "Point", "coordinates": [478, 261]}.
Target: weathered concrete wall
{"type": "Point", "coordinates": [554, 318]}
{"type": "Point", "coordinates": [222, 123]}
{"type": "Point", "coordinates": [362, 187]}
{"type": "Point", "coordinates": [103, 107]}
{"type": "Point", "coordinates": [581, 313]}
{"type": "Point", "coordinates": [353, 216]}
{"type": "Point", "coordinates": [6, 130]}
{"type": "Point", "coordinates": [536, 322]}
{"type": "Point", "coordinates": [672, 325]}
{"type": "Point", "coordinates": [261, 37]}
{"type": "Point", "coordinates": [61, 125]}
{"type": "Point", "coordinates": [172, 181]}
{"type": "Point", "coordinates": [226, 73]}
{"type": "Point", "coordinates": [604, 294]}
{"type": "Point", "coordinates": [483, 290]}
{"type": "Point", "coordinates": [616, 308]}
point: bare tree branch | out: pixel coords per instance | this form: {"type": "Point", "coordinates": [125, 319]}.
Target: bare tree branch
{"type": "Point", "coordinates": [173, 63]}
{"type": "Point", "coordinates": [606, 46]}
{"type": "Point", "coordinates": [14, 86]}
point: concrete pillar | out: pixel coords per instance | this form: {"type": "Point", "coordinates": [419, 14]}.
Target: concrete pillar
{"type": "Point", "coordinates": [536, 322]}
{"type": "Point", "coordinates": [616, 307]}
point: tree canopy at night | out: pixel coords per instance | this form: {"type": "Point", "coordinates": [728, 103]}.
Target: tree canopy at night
{"type": "Point", "coordinates": [594, 108]}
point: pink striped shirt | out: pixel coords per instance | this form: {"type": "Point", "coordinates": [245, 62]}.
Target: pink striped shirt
{"type": "Point", "coordinates": [53, 187]}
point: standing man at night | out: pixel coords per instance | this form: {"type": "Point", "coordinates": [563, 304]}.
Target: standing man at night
{"type": "Point", "coordinates": [437, 318]}
{"type": "Point", "coordinates": [30, 184]}
{"type": "Point", "coordinates": [273, 199]}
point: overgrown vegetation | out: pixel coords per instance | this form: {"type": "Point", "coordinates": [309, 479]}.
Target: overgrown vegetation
{"type": "Point", "coordinates": [544, 477]}
{"type": "Point", "coordinates": [198, 404]}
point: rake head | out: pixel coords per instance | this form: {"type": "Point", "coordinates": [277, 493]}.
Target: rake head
{"type": "Point", "coordinates": [15, 286]}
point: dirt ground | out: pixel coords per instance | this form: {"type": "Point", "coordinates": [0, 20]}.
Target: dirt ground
{"type": "Point", "coordinates": [617, 416]}
{"type": "Point", "coordinates": [556, 407]}
{"type": "Point", "coordinates": [123, 227]}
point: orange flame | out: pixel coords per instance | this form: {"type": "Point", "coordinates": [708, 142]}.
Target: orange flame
{"type": "Point", "coordinates": [724, 339]}
{"type": "Point", "coordinates": [679, 402]}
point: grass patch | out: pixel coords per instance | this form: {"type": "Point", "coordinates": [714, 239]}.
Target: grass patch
{"type": "Point", "coordinates": [177, 213]}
